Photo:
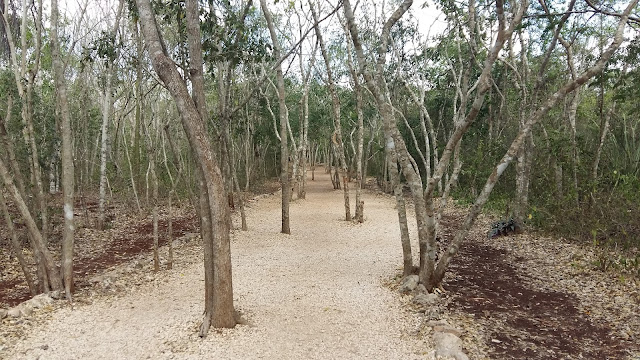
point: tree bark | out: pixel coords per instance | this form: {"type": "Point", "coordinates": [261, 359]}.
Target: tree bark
{"type": "Point", "coordinates": [15, 244]}
{"type": "Point", "coordinates": [52, 273]}
{"type": "Point", "coordinates": [68, 171]}
{"type": "Point", "coordinates": [284, 120]}
{"type": "Point", "coordinates": [604, 129]}
{"type": "Point", "coordinates": [337, 138]}
{"type": "Point", "coordinates": [405, 240]}
{"type": "Point", "coordinates": [219, 311]}
{"type": "Point", "coordinates": [106, 109]}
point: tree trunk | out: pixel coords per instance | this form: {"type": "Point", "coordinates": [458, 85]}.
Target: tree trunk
{"type": "Point", "coordinates": [170, 231]}
{"type": "Point", "coordinates": [107, 104]}
{"type": "Point", "coordinates": [219, 311]}
{"type": "Point", "coordinates": [156, 255]}
{"type": "Point", "coordinates": [52, 273]}
{"type": "Point", "coordinates": [604, 129]}
{"type": "Point", "coordinates": [7, 144]}
{"type": "Point", "coordinates": [131, 171]}
{"type": "Point", "coordinates": [136, 174]}
{"type": "Point", "coordinates": [405, 240]}
{"type": "Point", "coordinates": [68, 172]}
{"type": "Point", "coordinates": [359, 154]}
{"type": "Point", "coordinates": [575, 159]}
{"type": "Point", "coordinates": [15, 244]}
{"type": "Point", "coordinates": [284, 120]}
{"type": "Point", "coordinates": [335, 106]}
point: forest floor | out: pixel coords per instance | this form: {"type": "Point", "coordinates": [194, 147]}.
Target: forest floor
{"type": "Point", "coordinates": [328, 291]}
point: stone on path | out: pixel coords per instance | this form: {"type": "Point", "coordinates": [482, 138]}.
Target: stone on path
{"type": "Point", "coordinates": [409, 283]}
{"type": "Point", "coordinates": [425, 299]}
{"type": "Point", "coordinates": [448, 346]}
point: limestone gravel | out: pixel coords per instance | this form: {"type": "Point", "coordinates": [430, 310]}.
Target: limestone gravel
{"type": "Point", "coordinates": [316, 294]}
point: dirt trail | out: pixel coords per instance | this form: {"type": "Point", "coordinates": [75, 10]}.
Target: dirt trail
{"type": "Point", "coordinates": [315, 294]}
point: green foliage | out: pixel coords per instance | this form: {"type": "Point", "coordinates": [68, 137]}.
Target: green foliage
{"type": "Point", "coordinates": [232, 35]}
{"type": "Point", "coordinates": [104, 48]}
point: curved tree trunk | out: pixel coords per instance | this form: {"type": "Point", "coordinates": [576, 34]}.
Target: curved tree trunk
{"type": "Point", "coordinates": [219, 310]}
{"type": "Point", "coordinates": [16, 245]}
{"type": "Point", "coordinates": [284, 120]}
{"type": "Point", "coordinates": [52, 273]}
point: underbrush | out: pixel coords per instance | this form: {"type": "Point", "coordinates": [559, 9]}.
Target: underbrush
{"type": "Point", "coordinates": [609, 223]}
{"type": "Point", "coordinates": [608, 220]}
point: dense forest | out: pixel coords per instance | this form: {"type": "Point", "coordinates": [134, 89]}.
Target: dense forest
{"type": "Point", "coordinates": [524, 109]}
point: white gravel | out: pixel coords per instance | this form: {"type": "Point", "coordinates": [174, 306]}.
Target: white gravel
{"type": "Point", "coordinates": [315, 294]}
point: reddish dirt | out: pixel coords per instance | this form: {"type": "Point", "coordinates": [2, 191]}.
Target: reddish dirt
{"type": "Point", "coordinates": [524, 322]}
{"type": "Point", "coordinates": [13, 291]}
{"type": "Point", "coordinates": [126, 247]}
{"type": "Point", "coordinates": [132, 242]}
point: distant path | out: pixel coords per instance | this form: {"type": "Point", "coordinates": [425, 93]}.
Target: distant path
{"type": "Point", "coordinates": [316, 294]}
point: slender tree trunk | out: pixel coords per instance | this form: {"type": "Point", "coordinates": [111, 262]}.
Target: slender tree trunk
{"type": "Point", "coordinates": [106, 107]}
{"type": "Point", "coordinates": [136, 174]}
{"type": "Point", "coordinates": [284, 120]}
{"type": "Point", "coordinates": [170, 231]}
{"type": "Point", "coordinates": [131, 171]}
{"type": "Point", "coordinates": [16, 245]}
{"type": "Point", "coordinates": [573, 110]}
{"type": "Point", "coordinates": [156, 255]}
{"type": "Point", "coordinates": [68, 172]}
{"type": "Point", "coordinates": [405, 240]}
{"type": "Point", "coordinates": [335, 106]}
{"type": "Point", "coordinates": [7, 144]}
{"type": "Point", "coordinates": [604, 129]}
{"type": "Point", "coordinates": [107, 104]}
{"type": "Point", "coordinates": [359, 154]}
{"type": "Point", "coordinates": [52, 273]}
{"type": "Point", "coordinates": [172, 192]}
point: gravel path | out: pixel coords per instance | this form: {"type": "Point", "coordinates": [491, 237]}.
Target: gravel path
{"type": "Point", "coordinates": [315, 294]}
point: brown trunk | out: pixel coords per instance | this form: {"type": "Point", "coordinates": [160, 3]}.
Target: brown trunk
{"type": "Point", "coordinates": [170, 231]}
{"type": "Point", "coordinates": [16, 246]}
{"type": "Point", "coordinates": [107, 104]}
{"type": "Point", "coordinates": [219, 311]}
{"type": "Point", "coordinates": [405, 240]}
{"type": "Point", "coordinates": [52, 272]}
{"type": "Point", "coordinates": [7, 144]}
{"type": "Point", "coordinates": [67, 156]}
{"type": "Point", "coordinates": [359, 154]}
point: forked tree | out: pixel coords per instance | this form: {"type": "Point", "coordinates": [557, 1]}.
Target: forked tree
{"type": "Point", "coordinates": [214, 210]}
{"type": "Point", "coordinates": [372, 68]}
